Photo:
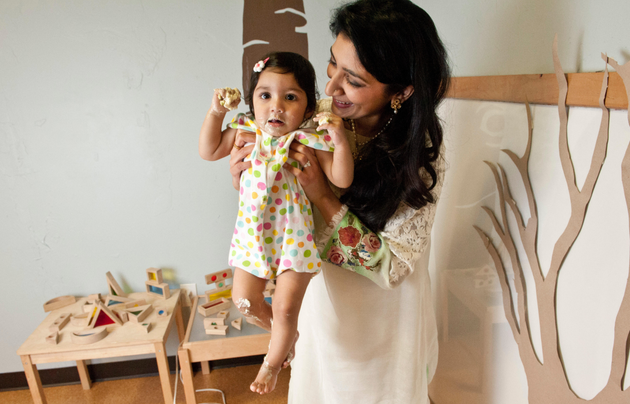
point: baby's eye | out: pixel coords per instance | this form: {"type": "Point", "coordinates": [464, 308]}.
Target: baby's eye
{"type": "Point", "coordinates": [265, 96]}
{"type": "Point", "coordinates": [291, 97]}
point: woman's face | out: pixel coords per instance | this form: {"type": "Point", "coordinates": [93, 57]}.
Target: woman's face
{"type": "Point", "coordinates": [356, 93]}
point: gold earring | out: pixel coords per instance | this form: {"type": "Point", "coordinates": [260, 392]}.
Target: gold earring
{"type": "Point", "coordinates": [396, 104]}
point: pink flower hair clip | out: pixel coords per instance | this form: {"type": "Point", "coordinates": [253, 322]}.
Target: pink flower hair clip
{"type": "Point", "coordinates": [258, 67]}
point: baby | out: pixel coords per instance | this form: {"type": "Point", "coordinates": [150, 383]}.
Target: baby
{"type": "Point", "coordinates": [274, 233]}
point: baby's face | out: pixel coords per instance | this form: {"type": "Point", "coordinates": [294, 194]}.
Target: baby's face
{"type": "Point", "coordinates": [279, 103]}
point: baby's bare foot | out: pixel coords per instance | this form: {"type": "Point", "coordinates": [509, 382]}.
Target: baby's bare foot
{"type": "Point", "coordinates": [291, 354]}
{"type": "Point", "coordinates": [266, 380]}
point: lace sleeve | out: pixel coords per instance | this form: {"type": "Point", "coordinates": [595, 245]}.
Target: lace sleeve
{"type": "Point", "coordinates": [388, 257]}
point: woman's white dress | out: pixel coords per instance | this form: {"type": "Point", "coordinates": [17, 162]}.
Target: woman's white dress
{"type": "Point", "coordinates": [365, 343]}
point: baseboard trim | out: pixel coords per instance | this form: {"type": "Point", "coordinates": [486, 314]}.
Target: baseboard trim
{"type": "Point", "coordinates": [112, 371]}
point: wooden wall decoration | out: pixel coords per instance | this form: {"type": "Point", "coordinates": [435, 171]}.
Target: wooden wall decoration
{"type": "Point", "coordinates": [271, 26]}
{"type": "Point", "coordinates": [547, 382]}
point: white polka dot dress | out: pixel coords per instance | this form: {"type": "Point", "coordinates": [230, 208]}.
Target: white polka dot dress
{"type": "Point", "coordinates": [274, 229]}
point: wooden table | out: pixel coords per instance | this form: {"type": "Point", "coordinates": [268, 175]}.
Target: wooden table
{"type": "Point", "coordinates": [199, 347]}
{"type": "Point", "coordinates": [126, 340]}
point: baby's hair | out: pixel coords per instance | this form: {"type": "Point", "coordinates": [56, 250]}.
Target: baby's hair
{"type": "Point", "coordinates": [283, 63]}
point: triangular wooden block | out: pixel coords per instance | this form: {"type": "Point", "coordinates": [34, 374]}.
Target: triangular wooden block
{"type": "Point", "coordinates": [237, 323]}
{"type": "Point", "coordinates": [103, 316]}
{"type": "Point", "coordinates": [138, 314]}
{"type": "Point", "coordinates": [114, 287]}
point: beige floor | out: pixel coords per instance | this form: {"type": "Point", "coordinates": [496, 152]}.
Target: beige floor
{"type": "Point", "coordinates": [147, 390]}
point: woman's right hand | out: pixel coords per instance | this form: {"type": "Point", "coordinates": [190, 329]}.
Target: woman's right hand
{"type": "Point", "coordinates": [238, 153]}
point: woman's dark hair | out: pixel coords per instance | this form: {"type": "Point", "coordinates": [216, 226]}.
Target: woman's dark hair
{"type": "Point", "coordinates": [283, 63]}
{"type": "Point", "coordinates": [398, 44]}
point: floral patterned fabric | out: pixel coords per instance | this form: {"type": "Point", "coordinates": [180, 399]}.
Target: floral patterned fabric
{"type": "Point", "coordinates": [356, 248]}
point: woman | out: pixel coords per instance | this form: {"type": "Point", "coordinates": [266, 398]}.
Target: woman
{"type": "Point", "coordinates": [367, 326]}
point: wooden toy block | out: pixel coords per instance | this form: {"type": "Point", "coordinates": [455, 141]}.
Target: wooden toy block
{"type": "Point", "coordinates": [53, 338]}
{"type": "Point", "coordinates": [88, 307]}
{"type": "Point", "coordinates": [103, 316]}
{"type": "Point", "coordinates": [211, 321]}
{"type": "Point", "coordinates": [160, 290]}
{"type": "Point", "coordinates": [238, 323]}
{"type": "Point", "coordinates": [219, 276]}
{"type": "Point", "coordinates": [224, 314]}
{"type": "Point", "coordinates": [58, 302]}
{"type": "Point", "coordinates": [115, 300]}
{"type": "Point", "coordinates": [162, 313]}
{"type": "Point", "coordinates": [146, 326]}
{"type": "Point", "coordinates": [60, 322]}
{"type": "Point", "coordinates": [138, 314]}
{"type": "Point", "coordinates": [155, 275]}
{"type": "Point", "coordinates": [217, 330]}
{"type": "Point", "coordinates": [89, 337]}
{"type": "Point", "coordinates": [215, 306]}
{"type": "Point", "coordinates": [134, 303]}
{"type": "Point", "coordinates": [93, 298]}
{"type": "Point", "coordinates": [212, 294]}
{"type": "Point", "coordinates": [114, 287]}
{"type": "Point", "coordinates": [79, 320]}
{"type": "Point", "coordinates": [124, 316]}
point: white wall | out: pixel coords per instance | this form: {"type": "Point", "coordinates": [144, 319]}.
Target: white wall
{"type": "Point", "coordinates": [100, 108]}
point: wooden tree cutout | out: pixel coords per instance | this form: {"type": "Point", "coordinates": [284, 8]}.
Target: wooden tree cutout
{"type": "Point", "coordinates": [547, 381]}
{"type": "Point", "coordinates": [271, 26]}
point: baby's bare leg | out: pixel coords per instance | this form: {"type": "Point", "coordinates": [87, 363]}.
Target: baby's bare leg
{"type": "Point", "coordinates": [287, 300]}
{"type": "Point", "coordinates": [247, 295]}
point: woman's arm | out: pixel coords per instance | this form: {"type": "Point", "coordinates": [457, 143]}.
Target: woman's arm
{"type": "Point", "coordinates": [215, 144]}
{"type": "Point", "coordinates": [386, 258]}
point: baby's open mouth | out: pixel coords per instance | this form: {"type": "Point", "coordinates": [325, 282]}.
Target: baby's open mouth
{"type": "Point", "coordinates": [275, 121]}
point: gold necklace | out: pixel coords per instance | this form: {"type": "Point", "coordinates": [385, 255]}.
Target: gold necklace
{"type": "Point", "coordinates": [355, 153]}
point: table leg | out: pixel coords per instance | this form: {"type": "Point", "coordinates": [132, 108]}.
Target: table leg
{"type": "Point", "coordinates": [86, 382]}
{"type": "Point", "coordinates": [179, 321]}
{"type": "Point", "coordinates": [162, 362]}
{"type": "Point", "coordinates": [187, 376]}
{"type": "Point", "coordinates": [205, 367]}
{"type": "Point", "coordinates": [34, 382]}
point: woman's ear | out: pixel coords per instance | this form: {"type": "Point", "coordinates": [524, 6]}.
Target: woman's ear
{"type": "Point", "coordinates": [405, 93]}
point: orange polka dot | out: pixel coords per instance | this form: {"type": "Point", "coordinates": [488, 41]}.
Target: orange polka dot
{"type": "Point", "coordinates": [248, 220]}
{"type": "Point", "coordinates": [300, 244]}
{"type": "Point", "coordinates": [275, 189]}
{"type": "Point", "coordinates": [272, 209]}
{"type": "Point", "coordinates": [257, 238]}
{"type": "Point", "coordinates": [254, 195]}
{"type": "Point", "coordinates": [306, 201]}
{"type": "Point", "coordinates": [296, 200]}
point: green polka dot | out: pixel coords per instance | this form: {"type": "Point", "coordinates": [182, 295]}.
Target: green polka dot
{"type": "Point", "coordinates": [282, 212]}
{"type": "Point", "coordinates": [242, 204]}
{"type": "Point", "coordinates": [304, 141]}
{"type": "Point", "coordinates": [282, 151]}
{"type": "Point", "coordinates": [257, 174]}
{"type": "Point", "coordinates": [246, 263]}
{"type": "Point", "coordinates": [254, 219]}
{"type": "Point", "coordinates": [250, 232]}
{"type": "Point", "coordinates": [285, 186]}
{"type": "Point", "coordinates": [309, 212]}
{"type": "Point", "coordinates": [307, 253]}
{"type": "Point", "coordinates": [282, 253]}
{"type": "Point", "coordinates": [267, 141]}
{"type": "Point", "coordinates": [237, 241]}
{"type": "Point", "coordinates": [294, 164]}
{"type": "Point", "coordinates": [269, 240]}
{"type": "Point", "coordinates": [233, 253]}
{"type": "Point", "coordinates": [276, 167]}
{"type": "Point", "coordinates": [289, 231]}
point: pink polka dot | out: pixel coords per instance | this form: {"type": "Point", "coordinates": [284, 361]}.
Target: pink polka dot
{"type": "Point", "coordinates": [259, 228]}
{"type": "Point", "coordinates": [299, 263]}
{"type": "Point", "coordinates": [262, 186]}
{"type": "Point", "coordinates": [281, 144]}
{"type": "Point", "coordinates": [309, 237]}
{"type": "Point", "coordinates": [235, 231]}
{"type": "Point", "coordinates": [278, 201]}
{"type": "Point", "coordinates": [278, 261]}
{"type": "Point", "coordinates": [242, 190]}
{"type": "Point", "coordinates": [230, 263]}
{"type": "Point", "coordinates": [278, 176]}
{"type": "Point", "coordinates": [301, 136]}
{"type": "Point", "coordinates": [257, 162]}
{"type": "Point", "coordinates": [260, 248]}
{"type": "Point", "coordinates": [295, 219]}
{"type": "Point", "coordinates": [267, 226]}
{"type": "Point", "coordinates": [287, 263]}
{"type": "Point", "coordinates": [327, 138]}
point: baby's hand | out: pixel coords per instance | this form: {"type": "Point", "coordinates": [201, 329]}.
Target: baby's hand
{"type": "Point", "coordinates": [333, 124]}
{"type": "Point", "coordinates": [225, 99]}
